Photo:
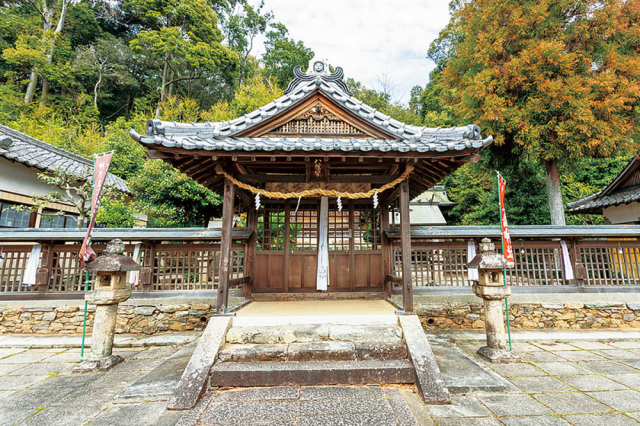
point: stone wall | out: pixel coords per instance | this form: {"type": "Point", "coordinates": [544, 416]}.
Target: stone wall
{"type": "Point", "coordinates": [572, 315]}
{"type": "Point", "coordinates": [436, 313]}
{"type": "Point", "coordinates": [68, 319]}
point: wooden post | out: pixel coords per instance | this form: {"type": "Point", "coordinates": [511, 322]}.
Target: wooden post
{"type": "Point", "coordinates": [250, 254]}
{"type": "Point", "coordinates": [579, 271]}
{"type": "Point", "coordinates": [385, 247]}
{"type": "Point", "coordinates": [287, 243]}
{"type": "Point", "coordinates": [146, 273]}
{"type": "Point", "coordinates": [405, 240]}
{"type": "Point", "coordinates": [42, 275]}
{"type": "Point", "coordinates": [225, 247]}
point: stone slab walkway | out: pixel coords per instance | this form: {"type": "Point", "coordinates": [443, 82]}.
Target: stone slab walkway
{"type": "Point", "coordinates": [576, 381]}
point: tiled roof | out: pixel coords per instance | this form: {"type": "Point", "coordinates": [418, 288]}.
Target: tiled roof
{"type": "Point", "coordinates": [18, 147]}
{"type": "Point", "coordinates": [221, 135]}
{"type": "Point", "coordinates": [614, 194]}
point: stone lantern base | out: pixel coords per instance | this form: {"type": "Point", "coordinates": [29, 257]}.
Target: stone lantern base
{"type": "Point", "coordinates": [93, 365]}
{"type": "Point", "coordinates": [496, 351]}
{"type": "Point", "coordinates": [498, 356]}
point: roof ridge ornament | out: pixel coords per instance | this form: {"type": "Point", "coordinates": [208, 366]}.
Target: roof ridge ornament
{"type": "Point", "coordinates": [319, 72]}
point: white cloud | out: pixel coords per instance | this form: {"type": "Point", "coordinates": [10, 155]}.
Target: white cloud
{"type": "Point", "coordinates": [368, 38]}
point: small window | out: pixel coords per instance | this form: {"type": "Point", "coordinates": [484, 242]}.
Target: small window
{"type": "Point", "coordinates": [13, 217]}
{"type": "Point", "coordinates": [52, 220]}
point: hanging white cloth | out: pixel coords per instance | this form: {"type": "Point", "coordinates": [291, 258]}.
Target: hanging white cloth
{"type": "Point", "coordinates": [567, 269]}
{"type": "Point", "coordinates": [471, 253]}
{"type": "Point", "coordinates": [322, 281]}
{"type": "Point", "coordinates": [29, 277]}
{"type": "Point", "coordinates": [134, 275]}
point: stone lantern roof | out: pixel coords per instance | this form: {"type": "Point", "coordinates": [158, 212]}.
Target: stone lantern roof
{"type": "Point", "coordinates": [113, 259]}
{"type": "Point", "coordinates": [488, 258]}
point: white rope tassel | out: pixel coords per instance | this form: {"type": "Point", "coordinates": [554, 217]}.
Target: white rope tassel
{"type": "Point", "coordinates": [375, 200]}
{"type": "Point", "coordinates": [339, 204]}
{"type": "Point", "coordinates": [257, 201]}
{"type": "Point", "coordinates": [298, 206]}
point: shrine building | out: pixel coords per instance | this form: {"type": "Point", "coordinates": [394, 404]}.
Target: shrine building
{"type": "Point", "coordinates": [318, 173]}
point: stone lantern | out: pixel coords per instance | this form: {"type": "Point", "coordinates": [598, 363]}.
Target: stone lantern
{"type": "Point", "coordinates": [490, 287]}
{"type": "Point", "coordinates": [109, 290]}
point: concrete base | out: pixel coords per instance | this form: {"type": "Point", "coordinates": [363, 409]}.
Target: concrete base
{"type": "Point", "coordinates": [498, 356]}
{"type": "Point", "coordinates": [93, 365]}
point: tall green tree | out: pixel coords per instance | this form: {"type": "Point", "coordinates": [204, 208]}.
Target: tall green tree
{"type": "Point", "coordinates": [181, 42]}
{"type": "Point", "coordinates": [558, 78]}
{"type": "Point", "coordinates": [283, 54]}
{"type": "Point", "coordinates": [35, 49]}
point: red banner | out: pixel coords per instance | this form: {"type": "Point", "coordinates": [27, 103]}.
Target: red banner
{"type": "Point", "coordinates": [100, 168]}
{"type": "Point", "coordinates": [506, 238]}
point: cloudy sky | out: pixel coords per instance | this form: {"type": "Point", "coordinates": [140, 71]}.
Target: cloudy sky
{"type": "Point", "coordinates": [370, 39]}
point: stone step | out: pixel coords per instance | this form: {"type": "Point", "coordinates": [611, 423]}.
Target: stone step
{"type": "Point", "coordinates": [313, 351]}
{"type": "Point", "coordinates": [240, 374]}
{"type": "Point", "coordinates": [314, 333]}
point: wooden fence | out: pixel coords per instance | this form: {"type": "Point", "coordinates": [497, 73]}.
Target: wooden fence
{"type": "Point", "coordinates": [184, 260]}
{"type": "Point", "coordinates": [538, 263]}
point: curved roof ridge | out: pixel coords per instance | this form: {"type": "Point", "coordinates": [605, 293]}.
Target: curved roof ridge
{"type": "Point", "coordinates": [33, 152]}
{"type": "Point", "coordinates": [303, 86]}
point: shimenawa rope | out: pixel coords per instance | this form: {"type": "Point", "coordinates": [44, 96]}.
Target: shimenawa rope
{"type": "Point", "coordinates": [316, 191]}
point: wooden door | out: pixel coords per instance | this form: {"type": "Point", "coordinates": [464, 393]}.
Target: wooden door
{"type": "Point", "coordinates": [287, 256]}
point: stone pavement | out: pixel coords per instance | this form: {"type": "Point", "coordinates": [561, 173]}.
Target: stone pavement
{"type": "Point", "coordinates": [578, 381]}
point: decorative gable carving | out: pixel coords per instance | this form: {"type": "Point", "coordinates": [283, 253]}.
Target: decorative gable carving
{"type": "Point", "coordinates": [317, 117]}
{"type": "Point", "coordinates": [318, 121]}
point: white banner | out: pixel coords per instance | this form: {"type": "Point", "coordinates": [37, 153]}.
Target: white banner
{"type": "Point", "coordinates": [29, 277]}
{"type": "Point", "coordinates": [471, 253]}
{"type": "Point", "coordinates": [133, 275]}
{"type": "Point", "coordinates": [323, 246]}
{"type": "Point", "coordinates": [567, 269]}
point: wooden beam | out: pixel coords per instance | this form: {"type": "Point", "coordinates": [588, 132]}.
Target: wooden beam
{"type": "Point", "coordinates": [374, 155]}
{"type": "Point", "coordinates": [405, 242]}
{"type": "Point", "coordinates": [225, 247]}
{"type": "Point", "coordinates": [473, 158]}
{"type": "Point", "coordinates": [242, 169]}
{"type": "Point", "coordinates": [154, 154]}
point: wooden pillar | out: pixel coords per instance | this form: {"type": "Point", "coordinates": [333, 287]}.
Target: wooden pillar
{"type": "Point", "coordinates": [405, 241]}
{"type": "Point", "coordinates": [287, 243]}
{"type": "Point", "coordinates": [387, 253]}
{"type": "Point", "coordinates": [579, 270]}
{"type": "Point", "coordinates": [225, 247]}
{"type": "Point", "coordinates": [146, 273]}
{"type": "Point", "coordinates": [250, 253]}
{"type": "Point", "coordinates": [42, 275]}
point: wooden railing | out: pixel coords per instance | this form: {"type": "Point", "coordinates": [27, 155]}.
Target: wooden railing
{"type": "Point", "coordinates": [171, 260]}
{"type": "Point", "coordinates": [188, 259]}
{"type": "Point", "coordinates": [603, 255]}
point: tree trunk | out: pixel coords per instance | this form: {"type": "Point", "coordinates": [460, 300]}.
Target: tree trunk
{"type": "Point", "coordinates": [45, 90]}
{"type": "Point", "coordinates": [31, 88]}
{"type": "Point", "coordinates": [95, 89]}
{"type": "Point", "coordinates": [163, 85]}
{"type": "Point", "coordinates": [554, 190]}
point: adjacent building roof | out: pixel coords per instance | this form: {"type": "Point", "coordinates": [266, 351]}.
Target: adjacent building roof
{"type": "Point", "coordinates": [227, 135]}
{"type": "Point", "coordinates": [18, 147]}
{"type": "Point", "coordinates": [624, 189]}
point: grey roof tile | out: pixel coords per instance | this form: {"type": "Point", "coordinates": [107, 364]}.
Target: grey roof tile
{"type": "Point", "coordinates": [614, 194]}
{"type": "Point", "coordinates": [410, 138]}
{"type": "Point", "coordinates": [35, 153]}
